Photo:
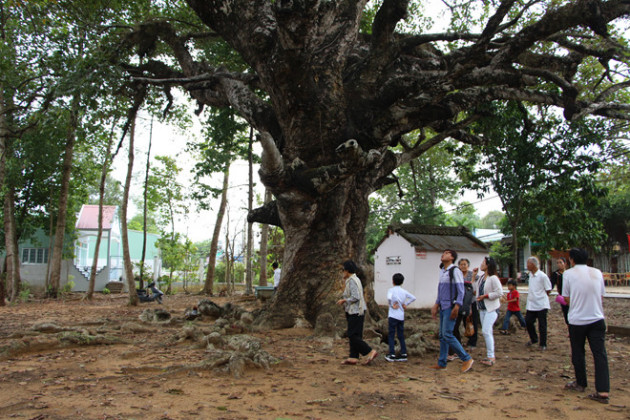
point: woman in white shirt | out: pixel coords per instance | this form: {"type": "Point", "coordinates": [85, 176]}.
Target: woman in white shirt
{"type": "Point", "coordinates": [488, 290]}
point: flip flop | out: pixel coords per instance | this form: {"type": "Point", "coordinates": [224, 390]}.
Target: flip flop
{"type": "Point", "coordinates": [350, 362]}
{"type": "Point", "coordinates": [598, 398]}
{"type": "Point", "coordinates": [487, 362]}
{"type": "Point", "coordinates": [371, 357]}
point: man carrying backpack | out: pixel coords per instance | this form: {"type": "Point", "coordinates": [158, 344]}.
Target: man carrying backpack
{"type": "Point", "coordinates": [449, 301]}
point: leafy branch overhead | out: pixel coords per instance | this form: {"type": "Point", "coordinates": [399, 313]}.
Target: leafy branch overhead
{"type": "Point", "coordinates": [374, 84]}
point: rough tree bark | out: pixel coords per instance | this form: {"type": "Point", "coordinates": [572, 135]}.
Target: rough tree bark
{"type": "Point", "coordinates": [214, 244]}
{"type": "Point", "coordinates": [327, 82]}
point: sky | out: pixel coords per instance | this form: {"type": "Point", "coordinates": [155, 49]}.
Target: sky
{"type": "Point", "coordinates": [170, 141]}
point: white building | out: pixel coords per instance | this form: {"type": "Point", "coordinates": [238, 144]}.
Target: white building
{"type": "Point", "coordinates": [415, 251]}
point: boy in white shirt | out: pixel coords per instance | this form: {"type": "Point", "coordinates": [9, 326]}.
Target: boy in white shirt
{"type": "Point", "coordinates": [398, 299]}
{"type": "Point", "coordinates": [276, 275]}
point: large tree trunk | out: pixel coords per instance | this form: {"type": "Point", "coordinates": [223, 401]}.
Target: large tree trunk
{"type": "Point", "coordinates": [320, 236]}
{"type": "Point", "coordinates": [214, 244]}
{"type": "Point", "coordinates": [131, 283]}
{"type": "Point", "coordinates": [57, 255]}
{"type": "Point", "coordinates": [264, 238]}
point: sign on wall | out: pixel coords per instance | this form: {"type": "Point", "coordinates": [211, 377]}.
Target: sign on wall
{"type": "Point", "coordinates": [393, 260]}
{"type": "Point", "coordinates": [421, 254]}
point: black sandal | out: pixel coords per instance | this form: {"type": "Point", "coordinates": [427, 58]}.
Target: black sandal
{"type": "Point", "coordinates": [599, 398]}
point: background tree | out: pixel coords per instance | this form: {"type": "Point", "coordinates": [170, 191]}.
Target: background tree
{"type": "Point", "coordinates": [614, 211]}
{"type": "Point", "coordinates": [492, 220]}
{"type": "Point", "coordinates": [249, 272]}
{"type": "Point", "coordinates": [112, 194]}
{"type": "Point", "coordinates": [128, 267]}
{"type": "Point", "coordinates": [21, 84]}
{"type": "Point", "coordinates": [61, 47]}
{"type": "Point", "coordinates": [101, 198]}
{"type": "Point", "coordinates": [165, 193]}
{"type": "Point", "coordinates": [539, 167]}
{"type": "Point", "coordinates": [224, 142]}
{"type": "Point", "coordinates": [145, 211]}
{"type": "Point", "coordinates": [137, 223]}
{"type": "Point", "coordinates": [172, 252]}
{"type": "Point", "coordinates": [417, 196]}
{"type": "Point", "coordinates": [189, 263]}
{"type": "Point", "coordinates": [464, 215]}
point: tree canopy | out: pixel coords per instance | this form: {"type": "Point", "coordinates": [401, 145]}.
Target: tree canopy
{"type": "Point", "coordinates": [333, 87]}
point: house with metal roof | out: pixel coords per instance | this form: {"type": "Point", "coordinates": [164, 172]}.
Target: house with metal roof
{"type": "Point", "coordinates": [415, 252]}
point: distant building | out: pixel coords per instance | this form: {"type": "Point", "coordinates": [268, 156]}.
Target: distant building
{"type": "Point", "coordinates": [415, 251]}
{"type": "Point", "coordinates": [35, 252]}
{"type": "Point", "coordinates": [110, 258]}
{"type": "Point", "coordinates": [110, 262]}
{"type": "Point", "coordinates": [488, 235]}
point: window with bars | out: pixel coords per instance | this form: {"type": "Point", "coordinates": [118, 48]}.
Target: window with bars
{"type": "Point", "coordinates": [34, 255]}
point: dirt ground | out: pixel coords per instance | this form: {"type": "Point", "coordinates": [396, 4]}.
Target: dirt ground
{"type": "Point", "coordinates": [130, 380]}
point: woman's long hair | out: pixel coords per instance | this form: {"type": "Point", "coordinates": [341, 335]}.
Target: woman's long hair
{"type": "Point", "coordinates": [491, 265]}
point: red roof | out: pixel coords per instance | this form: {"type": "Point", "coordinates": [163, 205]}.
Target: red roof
{"type": "Point", "coordinates": [88, 218]}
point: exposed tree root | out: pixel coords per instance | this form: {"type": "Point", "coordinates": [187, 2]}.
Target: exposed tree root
{"type": "Point", "coordinates": [64, 339]}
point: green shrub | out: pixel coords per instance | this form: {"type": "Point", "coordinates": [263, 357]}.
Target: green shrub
{"type": "Point", "coordinates": [106, 291]}
{"type": "Point", "coordinates": [25, 293]}
{"type": "Point", "coordinates": [67, 288]}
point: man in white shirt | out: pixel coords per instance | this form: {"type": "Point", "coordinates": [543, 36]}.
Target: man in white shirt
{"type": "Point", "coordinates": [537, 303]}
{"type": "Point", "coordinates": [276, 275]}
{"type": "Point", "coordinates": [584, 288]}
